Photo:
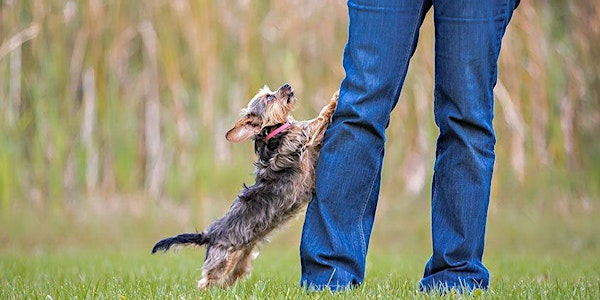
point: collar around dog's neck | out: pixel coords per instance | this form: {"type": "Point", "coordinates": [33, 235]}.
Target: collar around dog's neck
{"type": "Point", "coordinates": [278, 131]}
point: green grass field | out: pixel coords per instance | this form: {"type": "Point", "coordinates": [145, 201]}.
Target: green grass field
{"type": "Point", "coordinates": [531, 254]}
{"type": "Point", "coordinates": [138, 275]}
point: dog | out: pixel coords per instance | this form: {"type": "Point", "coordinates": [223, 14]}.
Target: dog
{"type": "Point", "coordinates": [287, 153]}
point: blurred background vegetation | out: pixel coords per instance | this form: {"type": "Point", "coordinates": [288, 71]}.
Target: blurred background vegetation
{"type": "Point", "coordinates": [114, 112]}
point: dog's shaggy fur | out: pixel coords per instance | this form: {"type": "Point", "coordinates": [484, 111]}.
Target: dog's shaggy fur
{"type": "Point", "coordinates": [285, 172]}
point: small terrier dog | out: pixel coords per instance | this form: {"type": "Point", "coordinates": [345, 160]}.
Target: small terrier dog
{"type": "Point", "coordinates": [287, 153]}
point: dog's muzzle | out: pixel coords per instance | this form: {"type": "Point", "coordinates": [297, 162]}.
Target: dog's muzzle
{"type": "Point", "coordinates": [286, 91]}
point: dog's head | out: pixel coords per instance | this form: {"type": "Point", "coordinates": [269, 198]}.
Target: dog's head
{"type": "Point", "coordinates": [265, 109]}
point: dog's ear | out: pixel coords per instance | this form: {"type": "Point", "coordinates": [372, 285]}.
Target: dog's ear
{"type": "Point", "coordinates": [265, 90]}
{"type": "Point", "coordinates": [242, 130]}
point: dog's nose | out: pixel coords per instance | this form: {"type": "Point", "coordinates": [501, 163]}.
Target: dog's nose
{"type": "Point", "coordinates": [286, 90]}
{"type": "Point", "coordinates": [286, 86]}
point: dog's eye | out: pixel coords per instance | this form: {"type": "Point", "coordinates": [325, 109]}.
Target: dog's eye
{"type": "Point", "coordinates": [269, 98]}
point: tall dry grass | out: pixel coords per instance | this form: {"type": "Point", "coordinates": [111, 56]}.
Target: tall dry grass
{"type": "Point", "coordinates": [104, 98]}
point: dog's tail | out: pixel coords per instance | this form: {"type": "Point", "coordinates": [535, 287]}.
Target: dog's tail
{"type": "Point", "coordinates": [184, 239]}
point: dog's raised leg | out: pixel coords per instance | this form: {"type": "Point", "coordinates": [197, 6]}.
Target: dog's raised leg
{"type": "Point", "coordinates": [320, 123]}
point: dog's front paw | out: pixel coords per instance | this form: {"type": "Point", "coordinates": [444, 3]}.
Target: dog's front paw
{"type": "Point", "coordinates": [330, 108]}
{"type": "Point", "coordinates": [335, 97]}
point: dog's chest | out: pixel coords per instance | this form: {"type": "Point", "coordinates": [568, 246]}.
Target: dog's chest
{"type": "Point", "coordinates": [282, 152]}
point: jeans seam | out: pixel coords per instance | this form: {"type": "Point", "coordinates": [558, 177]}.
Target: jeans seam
{"type": "Point", "coordinates": [498, 44]}
{"type": "Point", "coordinates": [364, 208]}
{"type": "Point", "coordinates": [416, 28]}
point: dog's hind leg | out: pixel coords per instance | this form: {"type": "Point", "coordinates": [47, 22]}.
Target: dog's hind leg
{"type": "Point", "coordinates": [244, 264]}
{"type": "Point", "coordinates": [233, 259]}
{"type": "Point", "coordinates": [212, 271]}
{"type": "Point", "coordinates": [220, 263]}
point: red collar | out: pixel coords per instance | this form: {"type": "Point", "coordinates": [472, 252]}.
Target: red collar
{"type": "Point", "coordinates": [278, 131]}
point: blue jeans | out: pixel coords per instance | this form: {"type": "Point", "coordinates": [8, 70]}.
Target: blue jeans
{"type": "Point", "coordinates": [382, 38]}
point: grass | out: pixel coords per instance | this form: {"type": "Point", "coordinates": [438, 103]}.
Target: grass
{"type": "Point", "coordinates": [138, 275]}
{"type": "Point", "coordinates": [531, 252]}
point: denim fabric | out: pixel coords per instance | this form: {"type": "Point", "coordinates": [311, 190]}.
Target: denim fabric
{"type": "Point", "coordinates": [382, 38]}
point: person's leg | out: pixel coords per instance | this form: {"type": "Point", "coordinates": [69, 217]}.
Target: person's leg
{"type": "Point", "coordinates": [467, 44]}
{"type": "Point", "coordinates": [335, 237]}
